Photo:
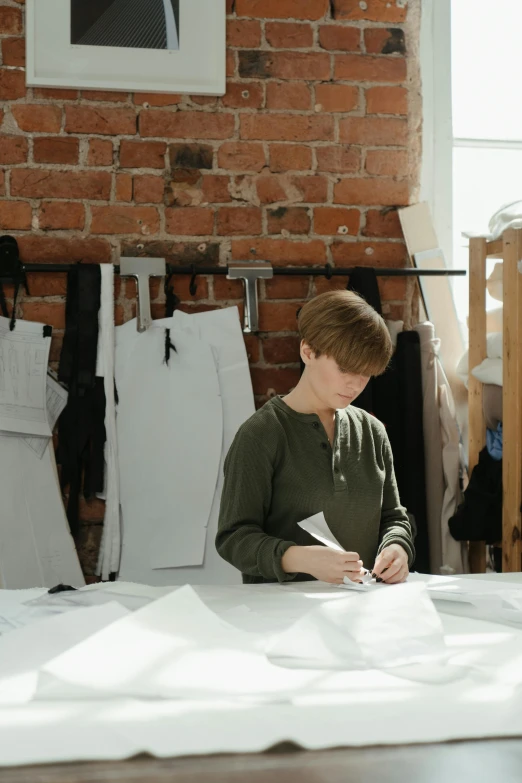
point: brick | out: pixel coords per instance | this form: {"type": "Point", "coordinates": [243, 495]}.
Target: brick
{"type": "Point", "coordinates": [11, 22]}
{"type": "Point", "coordinates": [286, 127]}
{"type": "Point", "coordinates": [44, 284]}
{"type": "Point", "coordinates": [180, 253]}
{"type": "Point", "coordinates": [230, 6]}
{"type": "Point", "coordinates": [124, 187]}
{"type": "Point", "coordinates": [371, 191]}
{"type": "Point", "coordinates": [287, 288]}
{"type": "Point", "coordinates": [125, 220]}
{"type": "Point", "coordinates": [156, 99]}
{"type": "Point", "coordinates": [313, 189]}
{"type": "Point", "coordinates": [38, 119]}
{"type": "Point", "coordinates": [13, 149]}
{"type": "Point", "coordinates": [252, 343]}
{"type": "Point", "coordinates": [285, 95]}
{"type": "Point", "coordinates": [241, 156]}
{"type": "Point", "coordinates": [342, 39]}
{"type": "Point", "coordinates": [2, 183]}
{"type": "Point", "coordinates": [375, 253]}
{"type": "Point", "coordinates": [56, 149]}
{"type": "Point", "coordinates": [101, 153]}
{"type": "Point", "coordinates": [380, 223]}
{"type": "Point", "coordinates": [45, 183]}
{"type": "Point", "coordinates": [148, 189]}
{"type": "Point", "coordinates": [61, 215]}
{"type": "Point", "coordinates": [190, 221]}
{"type": "Point", "coordinates": [371, 10]}
{"type": "Point", "coordinates": [50, 313]}
{"type": "Point", "coordinates": [12, 85]}
{"type": "Point", "coordinates": [108, 96]}
{"type": "Point", "coordinates": [294, 220]}
{"type": "Point", "coordinates": [216, 188]}
{"type": "Point", "coordinates": [290, 157]}
{"type": "Point", "coordinates": [381, 40]}
{"type": "Point", "coordinates": [227, 289]}
{"type": "Point", "coordinates": [387, 163]}
{"type": "Point", "coordinates": [283, 9]}
{"type": "Point", "coordinates": [279, 380]}
{"type": "Point", "coordinates": [233, 221]}
{"type": "Point", "coordinates": [190, 125]}
{"type": "Point", "coordinates": [392, 288]}
{"type": "Point", "coordinates": [287, 35]}
{"type": "Point", "coordinates": [243, 33]}
{"type": "Point", "coordinates": [335, 220]}
{"type": "Point", "coordinates": [13, 52]}
{"type": "Point", "coordinates": [53, 250]}
{"type": "Point", "coordinates": [55, 94]}
{"type": "Point", "coordinates": [281, 350]}
{"type": "Point", "coordinates": [204, 100]}
{"type": "Point", "coordinates": [142, 154]}
{"type": "Point", "coordinates": [181, 285]}
{"type": "Point", "coordinates": [374, 131]}
{"type": "Point", "coordinates": [191, 156]}
{"type": "Point", "coordinates": [387, 100]}
{"type": "Point", "coordinates": [278, 316]}
{"type": "Point", "coordinates": [270, 189]}
{"type": "Point", "coordinates": [284, 65]}
{"type": "Point", "coordinates": [367, 68]}
{"type": "Point", "coordinates": [336, 98]}
{"type": "Point", "coordinates": [244, 95]}
{"type": "Point", "coordinates": [231, 63]}
{"type": "Point", "coordinates": [338, 159]}
{"type": "Point", "coordinates": [280, 252]}
{"type": "Point", "coordinates": [100, 120]}
{"type": "Point", "coordinates": [15, 215]}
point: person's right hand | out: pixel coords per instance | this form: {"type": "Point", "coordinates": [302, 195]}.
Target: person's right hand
{"type": "Point", "coordinates": [325, 564]}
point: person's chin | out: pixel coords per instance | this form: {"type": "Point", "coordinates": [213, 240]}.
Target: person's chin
{"type": "Point", "coordinates": [343, 401]}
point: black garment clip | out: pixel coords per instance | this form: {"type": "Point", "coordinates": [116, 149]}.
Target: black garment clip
{"type": "Point", "coordinates": [11, 271]}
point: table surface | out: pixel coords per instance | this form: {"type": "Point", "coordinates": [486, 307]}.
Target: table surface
{"type": "Point", "coordinates": [477, 761]}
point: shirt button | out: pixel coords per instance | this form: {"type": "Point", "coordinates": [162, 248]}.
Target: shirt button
{"type": "Point", "coordinates": [336, 470]}
{"type": "Point", "coordinates": [324, 445]}
{"type": "Point", "coordinates": [315, 425]}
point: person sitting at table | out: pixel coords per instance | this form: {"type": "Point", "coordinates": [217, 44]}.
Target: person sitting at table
{"type": "Point", "coordinates": [313, 451]}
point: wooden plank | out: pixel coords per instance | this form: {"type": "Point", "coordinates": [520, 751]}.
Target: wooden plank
{"type": "Point", "coordinates": [477, 354]}
{"type": "Point", "coordinates": [495, 248]}
{"type": "Point", "coordinates": [512, 403]}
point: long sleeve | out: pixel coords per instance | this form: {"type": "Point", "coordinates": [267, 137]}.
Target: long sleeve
{"type": "Point", "coordinates": [245, 504]}
{"type": "Point", "coordinates": [395, 525]}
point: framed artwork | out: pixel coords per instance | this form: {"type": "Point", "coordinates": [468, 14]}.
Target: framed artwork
{"type": "Point", "coordinates": [176, 46]}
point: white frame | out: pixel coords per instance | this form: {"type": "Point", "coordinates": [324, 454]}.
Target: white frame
{"type": "Point", "coordinates": [197, 68]}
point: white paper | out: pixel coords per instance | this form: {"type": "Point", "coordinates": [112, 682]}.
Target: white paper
{"type": "Point", "coordinates": [56, 400]}
{"type": "Point", "coordinates": [382, 629]}
{"type": "Point", "coordinates": [36, 546]}
{"type": "Point", "coordinates": [317, 526]}
{"type": "Point", "coordinates": [24, 355]}
{"type": "Point", "coordinates": [482, 599]}
{"type": "Point", "coordinates": [24, 651]}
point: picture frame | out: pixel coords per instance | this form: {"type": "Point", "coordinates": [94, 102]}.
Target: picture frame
{"type": "Point", "coordinates": [114, 46]}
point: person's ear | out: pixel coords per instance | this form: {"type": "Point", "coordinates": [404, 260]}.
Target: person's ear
{"type": "Point", "coordinates": [307, 353]}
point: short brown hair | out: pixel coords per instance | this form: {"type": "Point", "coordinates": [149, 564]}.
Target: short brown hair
{"type": "Point", "coordinates": [342, 325]}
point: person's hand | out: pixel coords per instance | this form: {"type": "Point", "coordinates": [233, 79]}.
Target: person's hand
{"type": "Point", "coordinates": [392, 565]}
{"type": "Point", "coordinates": [325, 564]}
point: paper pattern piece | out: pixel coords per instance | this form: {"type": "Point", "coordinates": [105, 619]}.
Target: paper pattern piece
{"type": "Point", "coordinates": [317, 526]}
{"type": "Point", "coordinates": [56, 400]}
{"type": "Point", "coordinates": [24, 355]}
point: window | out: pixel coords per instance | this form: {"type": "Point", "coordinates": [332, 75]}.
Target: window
{"type": "Point", "coordinates": [487, 121]}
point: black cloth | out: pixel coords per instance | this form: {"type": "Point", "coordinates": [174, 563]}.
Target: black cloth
{"type": "Point", "coordinates": [395, 398]}
{"type": "Point", "coordinates": [81, 428]}
{"type": "Point", "coordinates": [479, 516]}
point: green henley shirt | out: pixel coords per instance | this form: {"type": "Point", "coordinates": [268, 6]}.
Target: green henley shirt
{"type": "Point", "coordinates": [281, 469]}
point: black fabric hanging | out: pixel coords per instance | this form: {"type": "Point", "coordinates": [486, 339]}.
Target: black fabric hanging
{"type": "Point", "coordinates": [81, 428]}
{"type": "Point", "coordinates": [395, 398]}
{"type": "Point", "coordinates": [479, 516]}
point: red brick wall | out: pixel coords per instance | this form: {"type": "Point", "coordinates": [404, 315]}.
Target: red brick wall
{"type": "Point", "coordinates": [303, 161]}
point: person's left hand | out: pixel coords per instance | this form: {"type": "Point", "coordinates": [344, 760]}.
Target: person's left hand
{"type": "Point", "coordinates": [392, 565]}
